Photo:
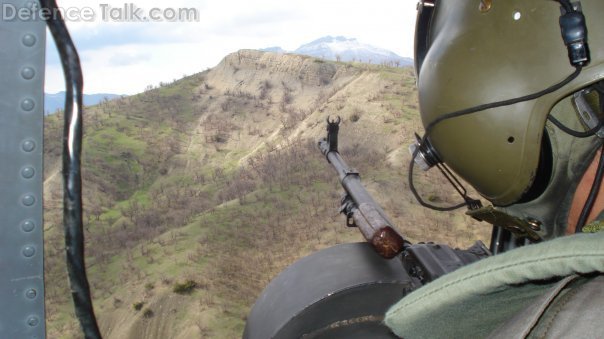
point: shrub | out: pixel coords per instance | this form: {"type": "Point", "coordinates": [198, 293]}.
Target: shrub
{"type": "Point", "coordinates": [148, 313]}
{"type": "Point", "coordinates": [117, 302]}
{"type": "Point", "coordinates": [185, 288]}
{"type": "Point", "coordinates": [434, 198]}
{"type": "Point", "coordinates": [356, 114]}
{"type": "Point", "coordinates": [138, 305]}
{"type": "Point", "coordinates": [220, 138]}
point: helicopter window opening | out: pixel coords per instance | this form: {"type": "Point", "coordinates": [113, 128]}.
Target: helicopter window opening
{"type": "Point", "coordinates": [517, 15]}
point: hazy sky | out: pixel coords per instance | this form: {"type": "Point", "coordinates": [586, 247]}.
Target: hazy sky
{"type": "Point", "coordinates": [124, 57]}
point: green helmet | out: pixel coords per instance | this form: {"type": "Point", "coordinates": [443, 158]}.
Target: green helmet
{"type": "Point", "coordinates": [475, 52]}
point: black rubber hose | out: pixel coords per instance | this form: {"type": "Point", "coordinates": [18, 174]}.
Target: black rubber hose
{"type": "Point", "coordinates": [72, 178]}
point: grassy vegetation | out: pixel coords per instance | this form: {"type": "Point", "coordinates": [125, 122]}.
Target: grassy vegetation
{"type": "Point", "coordinates": [189, 229]}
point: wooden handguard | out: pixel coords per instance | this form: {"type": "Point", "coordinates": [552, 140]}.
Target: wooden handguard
{"type": "Point", "coordinates": [377, 231]}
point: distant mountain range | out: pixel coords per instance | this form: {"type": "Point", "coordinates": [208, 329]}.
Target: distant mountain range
{"type": "Point", "coordinates": [56, 101]}
{"type": "Point", "coordinates": [345, 49]}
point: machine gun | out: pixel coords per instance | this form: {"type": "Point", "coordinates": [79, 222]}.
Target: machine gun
{"type": "Point", "coordinates": [424, 261]}
{"type": "Point", "coordinates": [344, 291]}
{"type": "Point", "coordinates": [359, 207]}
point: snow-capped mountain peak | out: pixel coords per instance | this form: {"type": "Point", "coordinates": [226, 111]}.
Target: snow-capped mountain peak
{"type": "Point", "coordinates": [350, 49]}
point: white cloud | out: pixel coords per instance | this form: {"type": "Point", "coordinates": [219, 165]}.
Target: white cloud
{"type": "Point", "coordinates": [126, 57]}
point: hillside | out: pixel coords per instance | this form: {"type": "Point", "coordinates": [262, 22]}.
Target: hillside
{"type": "Point", "coordinates": [198, 192]}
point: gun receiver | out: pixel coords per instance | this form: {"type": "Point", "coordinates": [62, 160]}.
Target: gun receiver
{"type": "Point", "coordinates": [358, 205]}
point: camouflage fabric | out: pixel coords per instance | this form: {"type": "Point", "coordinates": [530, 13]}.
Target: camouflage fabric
{"type": "Point", "coordinates": [594, 227]}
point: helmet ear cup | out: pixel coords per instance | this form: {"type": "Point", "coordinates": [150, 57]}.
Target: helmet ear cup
{"type": "Point", "coordinates": [544, 171]}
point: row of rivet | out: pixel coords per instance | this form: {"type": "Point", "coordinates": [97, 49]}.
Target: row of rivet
{"type": "Point", "coordinates": [29, 172]}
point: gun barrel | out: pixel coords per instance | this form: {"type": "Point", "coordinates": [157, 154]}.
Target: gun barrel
{"type": "Point", "coordinates": [368, 216]}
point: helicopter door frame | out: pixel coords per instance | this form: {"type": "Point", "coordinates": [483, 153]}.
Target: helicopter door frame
{"type": "Point", "coordinates": [22, 64]}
